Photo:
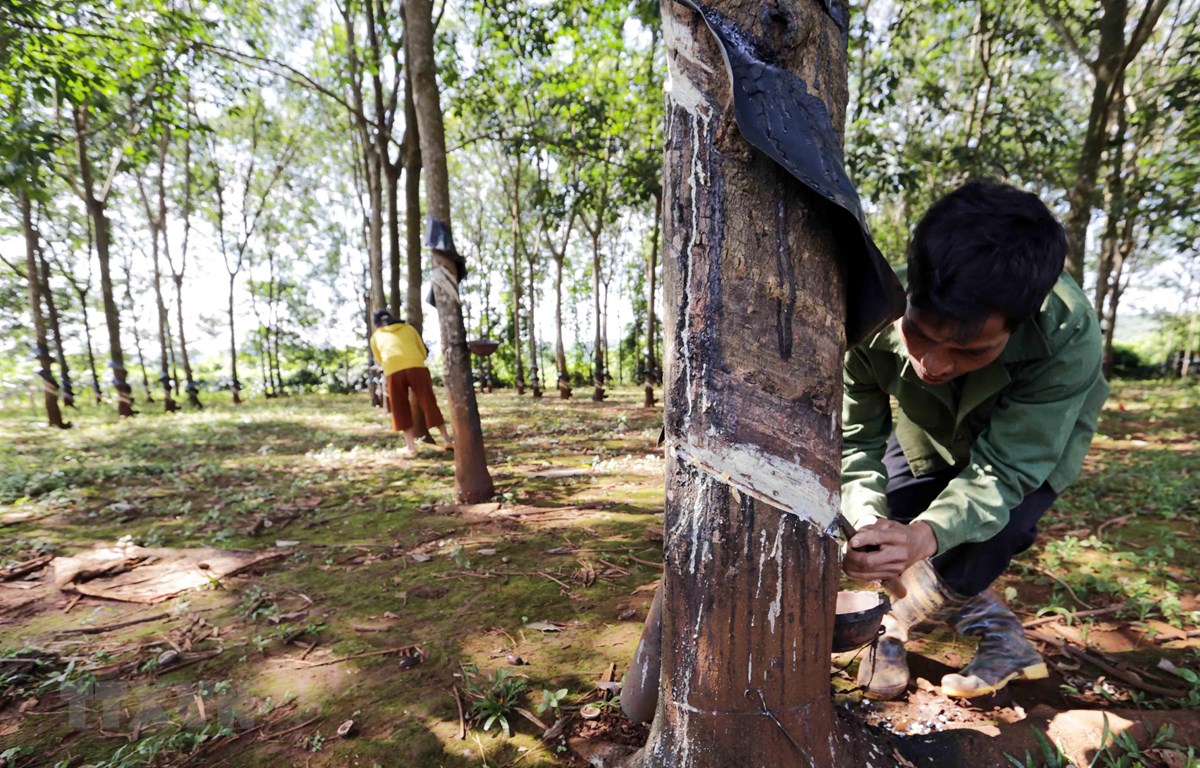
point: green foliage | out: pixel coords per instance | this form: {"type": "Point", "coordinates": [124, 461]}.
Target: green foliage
{"type": "Point", "coordinates": [552, 700]}
{"type": "Point", "coordinates": [1049, 755]}
{"type": "Point", "coordinates": [496, 696]}
{"type": "Point", "coordinates": [1128, 364]}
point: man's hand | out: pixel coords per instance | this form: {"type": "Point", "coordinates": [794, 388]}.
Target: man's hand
{"type": "Point", "coordinates": [895, 546]}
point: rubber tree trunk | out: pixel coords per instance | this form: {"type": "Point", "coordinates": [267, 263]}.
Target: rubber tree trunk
{"type": "Point", "coordinates": [193, 391]}
{"type": "Point", "coordinates": [137, 336]}
{"type": "Point", "coordinates": [753, 329]}
{"type": "Point", "coordinates": [472, 479]}
{"type": "Point", "coordinates": [97, 394]}
{"type": "Point", "coordinates": [56, 330]}
{"type": "Point", "coordinates": [560, 352]}
{"type": "Point", "coordinates": [598, 371]}
{"type": "Point", "coordinates": [535, 376]}
{"type": "Point", "coordinates": [410, 154]}
{"type": "Point", "coordinates": [99, 218]}
{"type": "Point", "coordinates": [519, 365]}
{"type": "Point", "coordinates": [41, 349]}
{"type": "Point", "coordinates": [650, 364]}
{"type": "Point", "coordinates": [412, 207]}
{"type": "Point", "coordinates": [235, 385]}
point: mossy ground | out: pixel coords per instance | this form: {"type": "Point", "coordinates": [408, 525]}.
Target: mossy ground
{"type": "Point", "coordinates": [386, 560]}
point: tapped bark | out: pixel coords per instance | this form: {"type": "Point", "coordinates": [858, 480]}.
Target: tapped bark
{"type": "Point", "coordinates": [473, 481]}
{"type": "Point", "coordinates": [754, 311]}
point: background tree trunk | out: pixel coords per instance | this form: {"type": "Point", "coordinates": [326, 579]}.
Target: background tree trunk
{"type": "Point", "coordinates": [473, 481]}
{"type": "Point", "coordinates": [137, 336]}
{"type": "Point", "coordinates": [535, 383]}
{"type": "Point", "coordinates": [41, 349]}
{"type": "Point", "coordinates": [412, 206]}
{"type": "Point", "coordinates": [99, 218]}
{"type": "Point", "coordinates": [749, 590]}
{"type": "Point", "coordinates": [650, 364]}
{"type": "Point", "coordinates": [517, 280]}
{"type": "Point", "coordinates": [560, 352]}
{"type": "Point", "coordinates": [55, 329]}
{"type": "Point", "coordinates": [598, 371]}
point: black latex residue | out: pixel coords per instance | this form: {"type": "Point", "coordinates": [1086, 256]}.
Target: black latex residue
{"type": "Point", "coordinates": [778, 115]}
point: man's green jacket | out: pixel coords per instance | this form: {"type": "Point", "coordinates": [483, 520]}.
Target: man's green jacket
{"type": "Point", "coordinates": [1023, 420]}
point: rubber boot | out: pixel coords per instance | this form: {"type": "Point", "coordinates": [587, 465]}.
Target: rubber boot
{"type": "Point", "coordinates": [1004, 653]}
{"type": "Point", "coordinates": [927, 600]}
{"type": "Point", "coordinates": [639, 691]}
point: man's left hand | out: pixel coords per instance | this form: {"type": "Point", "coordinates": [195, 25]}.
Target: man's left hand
{"type": "Point", "coordinates": [895, 546]}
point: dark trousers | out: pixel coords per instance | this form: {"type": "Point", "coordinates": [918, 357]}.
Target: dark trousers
{"type": "Point", "coordinates": [968, 568]}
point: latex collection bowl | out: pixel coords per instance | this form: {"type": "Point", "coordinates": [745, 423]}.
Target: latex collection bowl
{"type": "Point", "coordinates": [858, 617]}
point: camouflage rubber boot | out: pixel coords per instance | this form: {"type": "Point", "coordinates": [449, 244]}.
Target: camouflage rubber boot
{"type": "Point", "coordinates": [639, 690]}
{"type": "Point", "coordinates": [1004, 654]}
{"type": "Point", "coordinates": [927, 600]}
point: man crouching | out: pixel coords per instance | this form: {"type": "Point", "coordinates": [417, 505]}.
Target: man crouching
{"type": "Point", "coordinates": [995, 369]}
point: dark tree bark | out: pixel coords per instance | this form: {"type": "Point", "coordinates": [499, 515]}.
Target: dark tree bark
{"type": "Point", "coordinates": [392, 172]}
{"type": "Point", "coordinates": [96, 204]}
{"type": "Point", "coordinates": [41, 349]}
{"type": "Point", "coordinates": [753, 326]}
{"type": "Point", "coordinates": [473, 481]}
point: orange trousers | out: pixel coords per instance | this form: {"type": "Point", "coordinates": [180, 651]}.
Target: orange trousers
{"type": "Point", "coordinates": [421, 383]}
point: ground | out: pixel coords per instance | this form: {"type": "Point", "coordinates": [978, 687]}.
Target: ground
{"type": "Point", "coordinates": [384, 605]}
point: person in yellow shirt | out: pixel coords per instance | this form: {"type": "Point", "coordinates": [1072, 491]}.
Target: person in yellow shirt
{"type": "Point", "coordinates": [399, 350]}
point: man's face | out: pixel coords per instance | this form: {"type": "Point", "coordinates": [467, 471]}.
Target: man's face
{"type": "Point", "coordinates": [938, 355]}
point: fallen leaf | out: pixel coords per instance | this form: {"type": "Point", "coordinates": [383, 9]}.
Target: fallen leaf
{"type": "Point", "coordinates": [418, 557]}
{"type": "Point", "coordinates": [544, 626]}
{"type": "Point", "coordinates": [1167, 758]}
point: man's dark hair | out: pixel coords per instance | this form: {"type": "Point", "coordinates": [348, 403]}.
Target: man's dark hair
{"type": "Point", "coordinates": [985, 248]}
{"type": "Point", "coordinates": [382, 317]}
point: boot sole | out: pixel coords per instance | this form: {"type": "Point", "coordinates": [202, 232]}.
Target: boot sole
{"type": "Point", "coordinates": [1032, 672]}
